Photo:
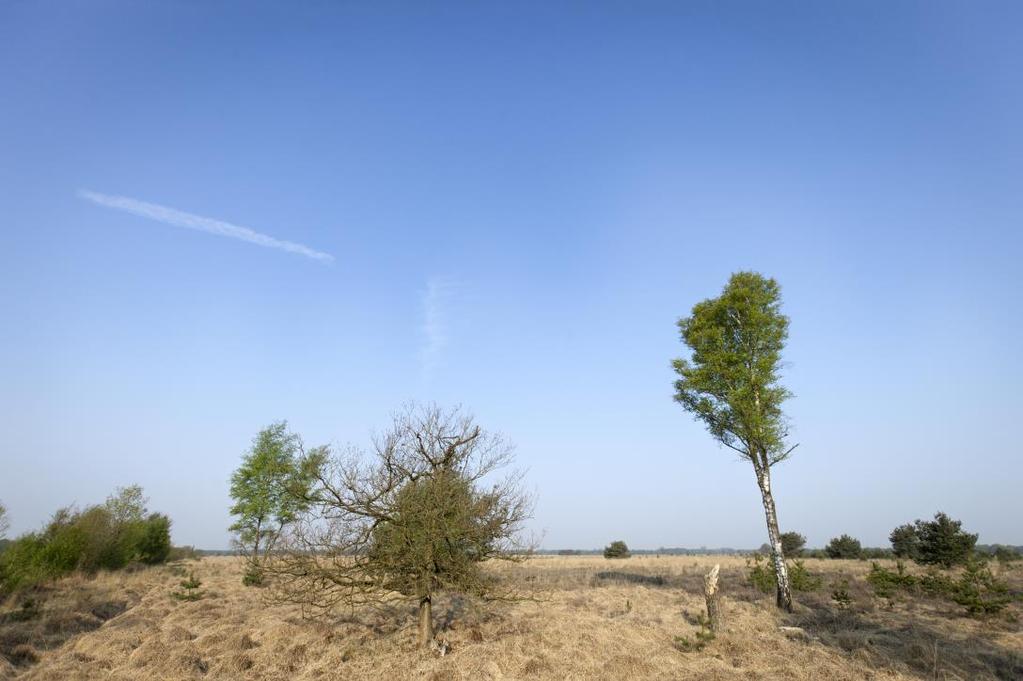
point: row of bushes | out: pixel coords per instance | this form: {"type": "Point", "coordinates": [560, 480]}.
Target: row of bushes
{"type": "Point", "coordinates": [975, 588]}
{"type": "Point", "coordinates": [108, 536]}
{"type": "Point", "coordinates": [940, 542]}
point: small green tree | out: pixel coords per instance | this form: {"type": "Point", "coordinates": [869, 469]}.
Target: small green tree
{"type": "Point", "coordinates": [732, 383]}
{"type": "Point", "coordinates": [844, 547]}
{"type": "Point", "coordinates": [268, 490]}
{"type": "Point", "coordinates": [905, 541]}
{"type": "Point", "coordinates": [154, 542]}
{"type": "Point", "coordinates": [943, 542]}
{"type": "Point", "coordinates": [792, 544]}
{"type": "Point", "coordinates": [616, 549]}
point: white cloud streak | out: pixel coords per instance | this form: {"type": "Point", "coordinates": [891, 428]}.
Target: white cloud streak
{"type": "Point", "coordinates": [179, 218]}
{"type": "Point", "coordinates": [434, 329]}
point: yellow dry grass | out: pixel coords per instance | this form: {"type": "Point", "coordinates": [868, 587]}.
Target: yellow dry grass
{"type": "Point", "coordinates": [594, 619]}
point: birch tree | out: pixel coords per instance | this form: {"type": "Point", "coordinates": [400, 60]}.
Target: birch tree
{"type": "Point", "coordinates": [267, 491]}
{"type": "Point", "coordinates": [4, 522]}
{"type": "Point", "coordinates": [731, 382]}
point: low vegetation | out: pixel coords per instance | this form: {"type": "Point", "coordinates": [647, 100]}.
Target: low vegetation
{"type": "Point", "coordinates": [616, 549]}
{"type": "Point", "coordinates": [649, 625]}
{"type": "Point", "coordinates": [109, 536]}
{"type": "Point", "coordinates": [975, 588]}
{"type": "Point", "coordinates": [844, 547]}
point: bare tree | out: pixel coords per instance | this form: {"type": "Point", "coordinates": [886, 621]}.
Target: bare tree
{"type": "Point", "coordinates": [417, 515]}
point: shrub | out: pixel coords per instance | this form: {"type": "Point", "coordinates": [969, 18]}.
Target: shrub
{"type": "Point", "coordinates": [762, 578]}
{"type": "Point", "coordinates": [840, 595]}
{"type": "Point", "coordinates": [905, 541]}
{"type": "Point", "coordinates": [704, 636]}
{"type": "Point", "coordinates": [844, 547]}
{"type": "Point", "coordinates": [761, 575]}
{"type": "Point", "coordinates": [886, 582]}
{"type": "Point", "coordinates": [253, 575]}
{"type": "Point", "coordinates": [21, 563]}
{"type": "Point", "coordinates": [943, 542]}
{"type": "Point", "coordinates": [976, 589]}
{"type": "Point", "coordinates": [153, 545]}
{"type": "Point", "coordinates": [800, 578]}
{"type": "Point", "coordinates": [616, 549]}
{"type": "Point", "coordinates": [792, 544]}
{"type": "Point", "coordinates": [100, 537]}
{"type": "Point", "coordinates": [979, 592]}
{"type": "Point", "coordinates": [189, 589]}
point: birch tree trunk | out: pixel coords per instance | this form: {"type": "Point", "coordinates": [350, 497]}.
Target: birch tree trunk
{"type": "Point", "coordinates": [781, 572]}
{"type": "Point", "coordinates": [425, 621]}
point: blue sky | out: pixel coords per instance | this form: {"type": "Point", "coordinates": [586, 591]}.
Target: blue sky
{"type": "Point", "coordinates": [519, 203]}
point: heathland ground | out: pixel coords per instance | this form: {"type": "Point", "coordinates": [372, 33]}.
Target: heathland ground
{"type": "Point", "coordinates": [587, 618]}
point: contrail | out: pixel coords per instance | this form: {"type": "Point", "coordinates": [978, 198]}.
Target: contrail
{"type": "Point", "coordinates": [179, 218]}
{"type": "Point", "coordinates": [434, 328]}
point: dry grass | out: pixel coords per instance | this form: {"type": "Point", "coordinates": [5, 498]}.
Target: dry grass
{"type": "Point", "coordinates": [596, 619]}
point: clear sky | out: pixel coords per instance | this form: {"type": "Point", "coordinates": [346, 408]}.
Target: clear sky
{"type": "Point", "coordinates": [217, 215]}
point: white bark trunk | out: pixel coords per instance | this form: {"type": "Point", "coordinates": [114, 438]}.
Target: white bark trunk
{"type": "Point", "coordinates": [784, 596]}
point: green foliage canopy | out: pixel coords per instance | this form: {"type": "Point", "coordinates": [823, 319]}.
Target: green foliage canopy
{"type": "Point", "coordinates": [905, 541]}
{"type": "Point", "coordinates": [107, 536]}
{"type": "Point", "coordinates": [943, 542]}
{"type": "Point", "coordinates": [267, 488]}
{"type": "Point", "coordinates": [792, 544]}
{"type": "Point", "coordinates": [731, 382]}
{"type": "Point", "coordinates": [844, 547]}
{"type": "Point", "coordinates": [617, 549]}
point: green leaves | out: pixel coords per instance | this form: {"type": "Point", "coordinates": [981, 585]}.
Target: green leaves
{"type": "Point", "coordinates": [268, 487]}
{"type": "Point", "coordinates": [730, 381]}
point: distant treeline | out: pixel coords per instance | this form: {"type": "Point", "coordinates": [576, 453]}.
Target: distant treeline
{"type": "Point", "coordinates": [866, 553]}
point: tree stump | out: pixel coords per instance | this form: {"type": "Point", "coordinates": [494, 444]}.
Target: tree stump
{"type": "Point", "coordinates": [710, 592]}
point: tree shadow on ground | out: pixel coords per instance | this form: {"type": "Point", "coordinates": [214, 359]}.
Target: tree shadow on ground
{"type": "Point", "coordinates": [904, 640]}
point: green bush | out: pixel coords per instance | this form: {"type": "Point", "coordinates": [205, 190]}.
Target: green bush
{"type": "Point", "coordinates": [905, 541]}
{"type": "Point", "coordinates": [616, 549]}
{"type": "Point", "coordinates": [100, 537]}
{"type": "Point", "coordinates": [976, 589]}
{"type": "Point", "coordinates": [761, 574]}
{"type": "Point", "coordinates": [762, 578]}
{"type": "Point", "coordinates": [979, 592]}
{"type": "Point", "coordinates": [844, 547]}
{"type": "Point", "coordinates": [154, 544]}
{"type": "Point", "coordinates": [943, 542]}
{"type": "Point", "coordinates": [189, 589]}
{"type": "Point", "coordinates": [22, 564]}
{"type": "Point", "coordinates": [792, 544]}
{"type": "Point", "coordinates": [800, 578]}
{"type": "Point", "coordinates": [253, 575]}
{"type": "Point", "coordinates": [886, 582]}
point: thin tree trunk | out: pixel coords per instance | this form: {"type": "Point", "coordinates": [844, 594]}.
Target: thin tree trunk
{"type": "Point", "coordinates": [255, 548]}
{"type": "Point", "coordinates": [710, 593]}
{"type": "Point", "coordinates": [425, 621]}
{"type": "Point", "coordinates": [781, 572]}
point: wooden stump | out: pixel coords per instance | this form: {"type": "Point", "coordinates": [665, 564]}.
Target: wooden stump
{"type": "Point", "coordinates": [710, 592]}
